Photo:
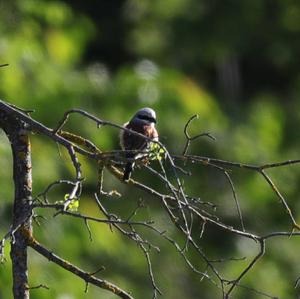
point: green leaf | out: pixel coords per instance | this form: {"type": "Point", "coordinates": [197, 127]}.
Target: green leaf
{"type": "Point", "coordinates": [73, 205]}
{"type": "Point", "coordinates": [156, 152]}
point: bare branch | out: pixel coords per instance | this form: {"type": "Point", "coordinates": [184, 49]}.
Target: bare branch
{"type": "Point", "coordinates": [78, 272]}
{"type": "Point", "coordinates": [281, 198]}
{"type": "Point", "coordinates": [40, 286]}
{"type": "Point", "coordinates": [247, 269]}
{"type": "Point", "coordinates": [187, 213]}
{"type": "Point", "coordinates": [189, 139]}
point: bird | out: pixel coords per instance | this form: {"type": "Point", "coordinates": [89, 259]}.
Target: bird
{"type": "Point", "coordinates": [143, 122]}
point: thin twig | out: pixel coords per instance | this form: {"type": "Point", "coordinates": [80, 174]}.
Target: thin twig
{"type": "Point", "coordinates": [75, 270]}
{"type": "Point", "coordinates": [189, 139]}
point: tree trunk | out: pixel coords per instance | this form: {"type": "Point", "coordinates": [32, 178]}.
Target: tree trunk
{"type": "Point", "coordinates": [20, 144]}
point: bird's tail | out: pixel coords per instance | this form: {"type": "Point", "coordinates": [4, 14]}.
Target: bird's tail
{"type": "Point", "coordinates": [127, 171]}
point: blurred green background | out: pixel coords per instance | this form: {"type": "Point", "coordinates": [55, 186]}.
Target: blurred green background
{"type": "Point", "coordinates": [235, 63]}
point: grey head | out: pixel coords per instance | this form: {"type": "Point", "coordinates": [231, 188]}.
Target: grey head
{"type": "Point", "coordinates": [145, 116]}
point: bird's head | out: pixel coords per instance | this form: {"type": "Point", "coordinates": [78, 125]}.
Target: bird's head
{"type": "Point", "coordinates": [145, 116]}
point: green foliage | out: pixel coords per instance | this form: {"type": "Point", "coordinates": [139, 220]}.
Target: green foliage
{"type": "Point", "coordinates": [156, 152]}
{"type": "Point", "coordinates": [73, 204]}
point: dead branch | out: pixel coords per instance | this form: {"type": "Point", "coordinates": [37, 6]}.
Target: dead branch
{"type": "Point", "coordinates": [190, 215]}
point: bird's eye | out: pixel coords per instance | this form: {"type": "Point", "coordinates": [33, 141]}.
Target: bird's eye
{"type": "Point", "coordinates": [149, 118]}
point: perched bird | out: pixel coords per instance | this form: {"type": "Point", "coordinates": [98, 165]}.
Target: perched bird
{"type": "Point", "coordinates": [142, 122]}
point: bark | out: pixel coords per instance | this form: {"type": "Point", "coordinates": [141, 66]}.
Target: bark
{"type": "Point", "coordinates": [20, 144]}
